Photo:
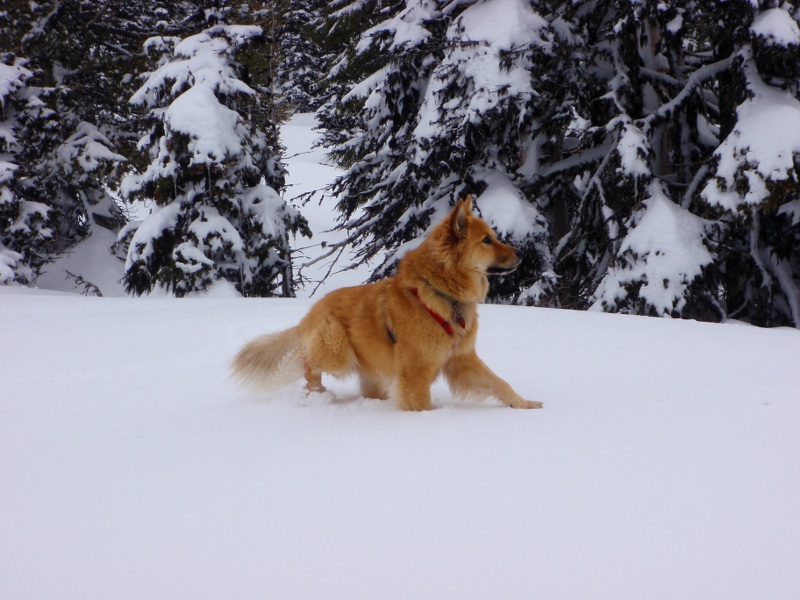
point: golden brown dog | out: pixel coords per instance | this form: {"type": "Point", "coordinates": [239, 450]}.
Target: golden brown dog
{"type": "Point", "coordinates": [401, 333]}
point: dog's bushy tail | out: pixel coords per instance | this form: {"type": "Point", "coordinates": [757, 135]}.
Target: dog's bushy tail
{"type": "Point", "coordinates": [271, 361]}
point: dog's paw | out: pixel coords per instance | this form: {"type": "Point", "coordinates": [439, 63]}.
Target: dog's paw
{"type": "Point", "coordinates": [315, 398]}
{"type": "Point", "coordinates": [526, 404]}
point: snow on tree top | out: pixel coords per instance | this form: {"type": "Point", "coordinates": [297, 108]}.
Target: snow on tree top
{"type": "Point", "coordinates": [205, 61]}
{"type": "Point", "coordinates": [237, 35]}
{"type": "Point", "coordinates": [503, 24]}
{"type": "Point", "coordinates": [88, 147]}
{"type": "Point", "coordinates": [763, 142]}
{"type": "Point", "coordinates": [777, 27]}
{"type": "Point", "coordinates": [478, 37]}
{"type": "Point", "coordinates": [664, 250]}
{"type": "Point", "coordinates": [12, 78]}
{"type": "Point", "coordinates": [210, 125]}
{"type": "Point", "coordinates": [202, 73]}
{"type": "Point", "coordinates": [407, 26]}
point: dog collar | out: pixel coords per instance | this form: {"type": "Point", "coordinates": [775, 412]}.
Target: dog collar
{"type": "Point", "coordinates": [457, 316]}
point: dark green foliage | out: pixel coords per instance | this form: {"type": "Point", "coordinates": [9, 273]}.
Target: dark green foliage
{"type": "Point", "coordinates": [633, 108]}
{"type": "Point", "coordinates": [211, 170]}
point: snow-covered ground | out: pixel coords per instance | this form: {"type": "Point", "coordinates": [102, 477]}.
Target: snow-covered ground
{"type": "Point", "coordinates": [665, 464]}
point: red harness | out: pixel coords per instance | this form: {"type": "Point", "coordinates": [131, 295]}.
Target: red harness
{"type": "Point", "coordinates": [439, 318]}
{"type": "Point", "coordinates": [457, 316]}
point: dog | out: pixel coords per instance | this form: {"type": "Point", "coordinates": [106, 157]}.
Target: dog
{"type": "Point", "coordinates": [399, 334]}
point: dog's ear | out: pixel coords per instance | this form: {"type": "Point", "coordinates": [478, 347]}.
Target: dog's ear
{"type": "Point", "coordinates": [458, 218]}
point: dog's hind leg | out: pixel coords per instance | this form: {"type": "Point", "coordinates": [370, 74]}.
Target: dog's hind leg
{"type": "Point", "coordinates": [327, 349]}
{"type": "Point", "coordinates": [313, 379]}
{"type": "Point", "coordinates": [372, 386]}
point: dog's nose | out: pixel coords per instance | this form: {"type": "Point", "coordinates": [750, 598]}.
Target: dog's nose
{"type": "Point", "coordinates": [518, 253]}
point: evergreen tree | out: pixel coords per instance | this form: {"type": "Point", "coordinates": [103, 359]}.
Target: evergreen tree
{"type": "Point", "coordinates": [211, 171]}
{"type": "Point", "coordinates": [640, 133]}
{"type": "Point", "coordinates": [65, 120]}
{"type": "Point", "coordinates": [450, 111]}
{"type": "Point", "coordinates": [301, 64]}
{"type": "Point", "coordinates": [26, 226]}
{"type": "Point", "coordinates": [615, 142]}
{"type": "Point", "coordinates": [350, 64]}
{"type": "Point", "coordinates": [753, 189]}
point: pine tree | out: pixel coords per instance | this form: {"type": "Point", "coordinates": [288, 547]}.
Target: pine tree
{"type": "Point", "coordinates": [66, 120]}
{"type": "Point", "coordinates": [350, 63]}
{"type": "Point", "coordinates": [753, 189]}
{"type": "Point", "coordinates": [665, 218]}
{"type": "Point", "coordinates": [450, 111]}
{"type": "Point", "coordinates": [639, 135]}
{"type": "Point", "coordinates": [301, 62]}
{"type": "Point", "coordinates": [613, 141]}
{"type": "Point", "coordinates": [211, 171]}
{"type": "Point", "coordinates": [26, 226]}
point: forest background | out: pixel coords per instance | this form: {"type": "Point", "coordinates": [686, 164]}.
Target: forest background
{"type": "Point", "coordinates": [644, 155]}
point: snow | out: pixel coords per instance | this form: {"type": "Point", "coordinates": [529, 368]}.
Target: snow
{"type": "Point", "coordinates": [8, 264]}
{"type": "Point", "coordinates": [665, 464]}
{"type": "Point", "coordinates": [364, 88]}
{"type": "Point", "coordinates": [31, 212]}
{"type": "Point", "coordinates": [406, 28]}
{"type": "Point", "coordinates": [503, 24]}
{"type": "Point", "coordinates": [91, 260]}
{"type": "Point", "coordinates": [503, 206]}
{"type": "Point", "coordinates": [160, 219]}
{"type": "Point", "coordinates": [777, 27]}
{"type": "Point", "coordinates": [204, 61]}
{"type": "Point", "coordinates": [763, 144]}
{"type": "Point", "coordinates": [191, 259]}
{"type": "Point", "coordinates": [633, 149]}
{"type": "Point", "coordinates": [199, 74]}
{"type": "Point", "coordinates": [200, 77]}
{"type": "Point", "coordinates": [266, 205]}
{"type": "Point", "coordinates": [12, 79]}
{"type": "Point", "coordinates": [479, 39]}
{"type": "Point", "coordinates": [88, 147]}
{"type": "Point", "coordinates": [664, 249]}
{"type": "Point", "coordinates": [211, 126]}
{"type": "Point", "coordinates": [309, 170]}
{"type": "Point", "coordinates": [7, 170]}
{"type": "Point", "coordinates": [675, 25]}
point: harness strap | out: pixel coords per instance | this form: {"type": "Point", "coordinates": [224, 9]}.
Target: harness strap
{"type": "Point", "coordinates": [439, 318]}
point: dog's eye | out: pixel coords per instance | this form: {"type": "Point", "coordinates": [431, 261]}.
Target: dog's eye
{"type": "Point", "coordinates": [487, 240]}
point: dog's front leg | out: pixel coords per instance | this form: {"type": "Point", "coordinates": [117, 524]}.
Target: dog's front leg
{"type": "Point", "coordinates": [414, 390]}
{"type": "Point", "coordinates": [468, 375]}
{"type": "Point", "coordinates": [413, 380]}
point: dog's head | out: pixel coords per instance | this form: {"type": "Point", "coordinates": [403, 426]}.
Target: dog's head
{"type": "Point", "coordinates": [478, 245]}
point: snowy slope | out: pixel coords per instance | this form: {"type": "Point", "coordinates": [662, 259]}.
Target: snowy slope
{"type": "Point", "coordinates": [665, 464]}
